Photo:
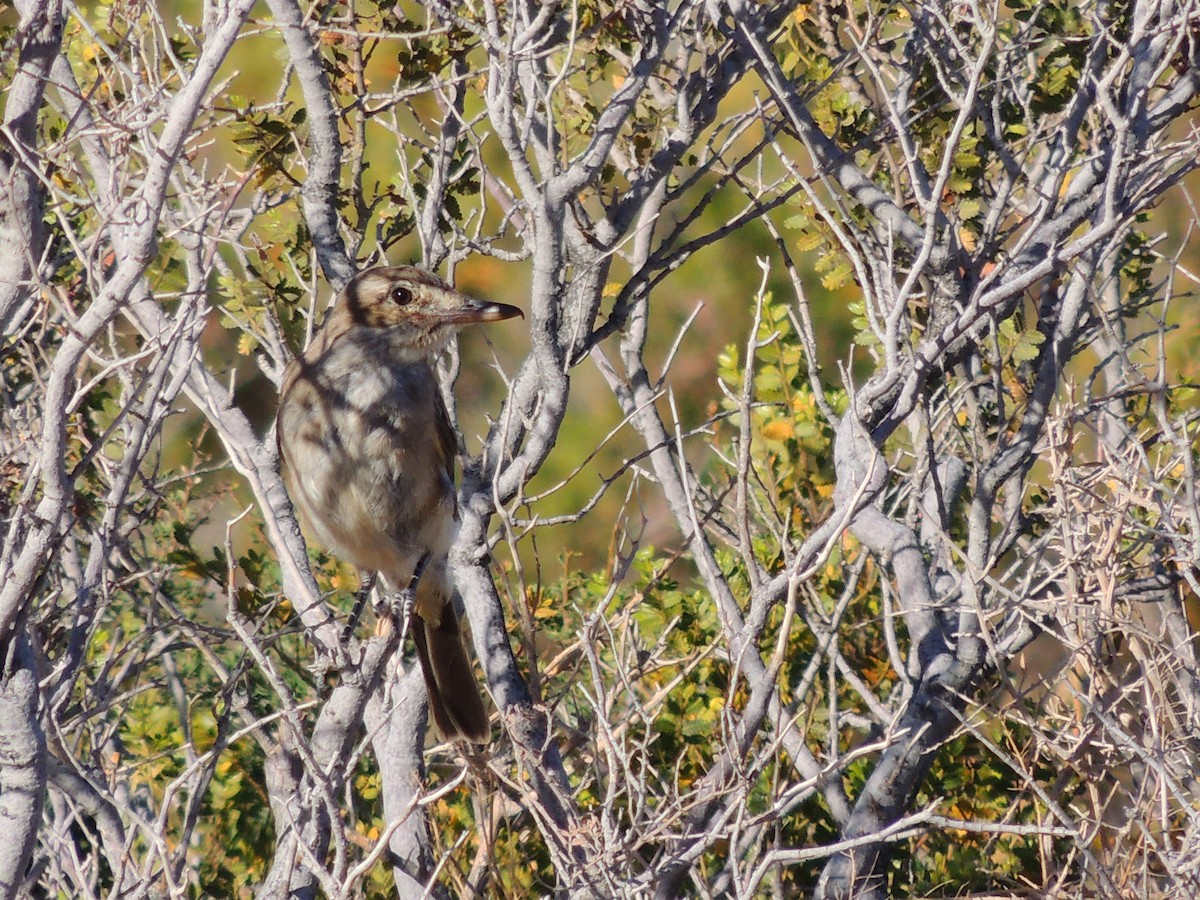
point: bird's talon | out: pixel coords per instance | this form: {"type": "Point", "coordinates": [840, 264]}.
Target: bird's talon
{"type": "Point", "coordinates": [406, 601]}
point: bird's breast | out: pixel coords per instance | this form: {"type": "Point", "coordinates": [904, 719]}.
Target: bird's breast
{"type": "Point", "coordinates": [368, 468]}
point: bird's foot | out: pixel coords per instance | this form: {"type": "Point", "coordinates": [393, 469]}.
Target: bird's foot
{"type": "Point", "coordinates": [406, 600]}
{"type": "Point", "coordinates": [403, 604]}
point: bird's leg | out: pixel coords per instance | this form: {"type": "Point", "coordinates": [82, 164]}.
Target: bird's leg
{"type": "Point", "coordinates": [406, 600]}
{"type": "Point", "coordinates": [366, 585]}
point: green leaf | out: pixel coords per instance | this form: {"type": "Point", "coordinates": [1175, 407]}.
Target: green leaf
{"type": "Point", "coordinates": [1028, 346]}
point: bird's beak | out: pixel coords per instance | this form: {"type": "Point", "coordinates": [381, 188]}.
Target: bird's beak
{"type": "Point", "coordinates": [472, 311]}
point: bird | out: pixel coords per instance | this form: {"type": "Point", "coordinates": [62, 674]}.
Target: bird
{"type": "Point", "coordinates": [368, 454]}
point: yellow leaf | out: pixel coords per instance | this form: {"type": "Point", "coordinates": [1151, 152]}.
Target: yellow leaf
{"type": "Point", "coordinates": [779, 430]}
{"type": "Point", "coordinates": [804, 404]}
{"type": "Point", "coordinates": [808, 241]}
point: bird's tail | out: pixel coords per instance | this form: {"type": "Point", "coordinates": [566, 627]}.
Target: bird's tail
{"type": "Point", "coordinates": [454, 699]}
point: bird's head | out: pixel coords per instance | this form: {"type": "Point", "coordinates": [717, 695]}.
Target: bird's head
{"type": "Point", "coordinates": [416, 310]}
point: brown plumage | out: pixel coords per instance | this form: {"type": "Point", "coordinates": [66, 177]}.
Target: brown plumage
{"type": "Point", "coordinates": [368, 453]}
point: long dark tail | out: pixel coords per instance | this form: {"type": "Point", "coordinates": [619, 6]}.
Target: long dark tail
{"type": "Point", "coordinates": [454, 699]}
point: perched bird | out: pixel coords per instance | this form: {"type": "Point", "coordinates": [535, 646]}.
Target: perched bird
{"type": "Point", "coordinates": [368, 453]}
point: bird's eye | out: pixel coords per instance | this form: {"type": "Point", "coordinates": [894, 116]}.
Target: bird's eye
{"type": "Point", "coordinates": [402, 295]}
